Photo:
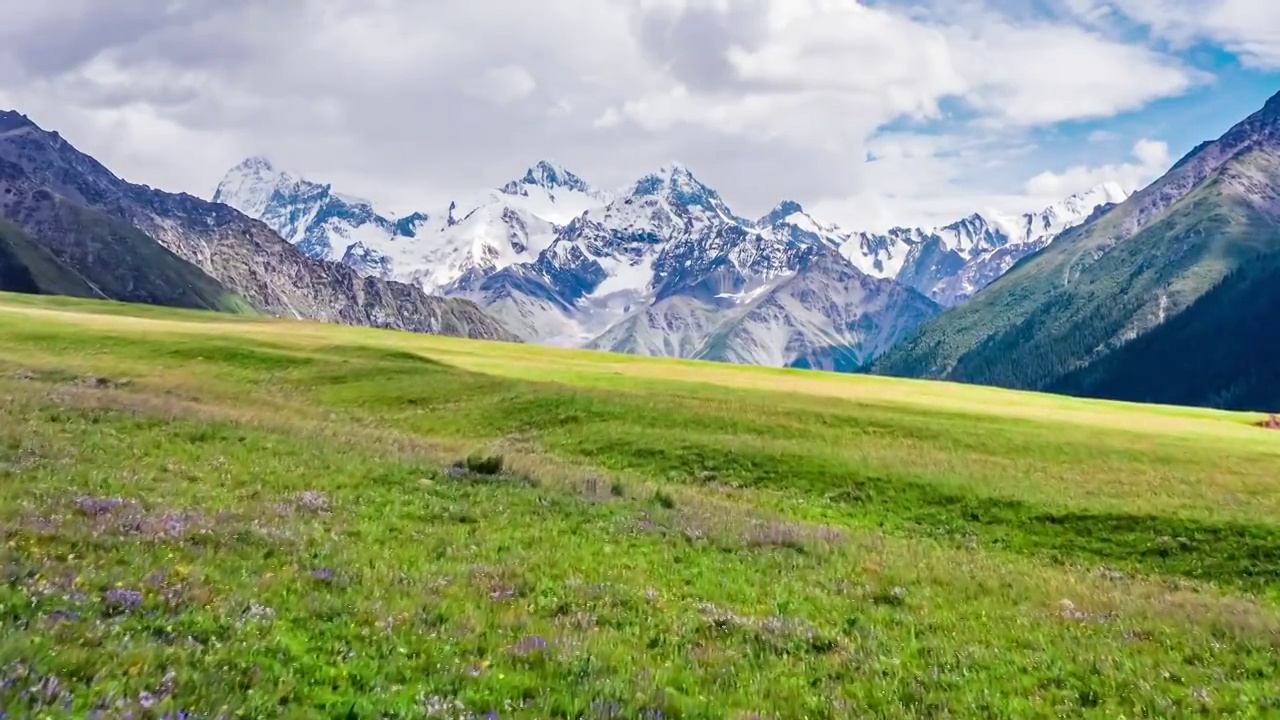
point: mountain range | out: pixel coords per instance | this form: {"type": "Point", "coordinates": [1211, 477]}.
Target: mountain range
{"type": "Point", "coordinates": [70, 226]}
{"type": "Point", "coordinates": [662, 266]}
{"type": "Point", "coordinates": [1165, 295]}
{"type": "Point", "coordinates": [1168, 296]}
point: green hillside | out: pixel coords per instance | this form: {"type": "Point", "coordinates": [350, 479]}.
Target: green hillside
{"type": "Point", "coordinates": [1220, 352]}
{"type": "Point", "coordinates": [123, 263]}
{"type": "Point", "coordinates": [1104, 283]}
{"type": "Point", "coordinates": [221, 517]}
{"type": "Point", "coordinates": [26, 267]}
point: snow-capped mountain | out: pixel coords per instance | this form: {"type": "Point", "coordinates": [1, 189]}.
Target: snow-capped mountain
{"type": "Point", "coordinates": [667, 268]}
{"type": "Point", "coordinates": [827, 315]}
{"type": "Point", "coordinates": [321, 222]}
{"type": "Point", "coordinates": [663, 266]}
{"type": "Point", "coordinates": [952, 262]}
{"type": "Point", "coordinates": [469, 239]}
{"type": "Point", "coordinates": [605, 263]}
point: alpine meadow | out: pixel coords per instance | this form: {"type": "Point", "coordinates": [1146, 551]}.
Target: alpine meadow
{"type": "Point", "coordinates": [207, 516]}
{"type": "Point", "coordinates": [640, 360]}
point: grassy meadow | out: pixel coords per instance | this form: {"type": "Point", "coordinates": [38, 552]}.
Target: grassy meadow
{"type": "Point", "coordinates": [204, 516]}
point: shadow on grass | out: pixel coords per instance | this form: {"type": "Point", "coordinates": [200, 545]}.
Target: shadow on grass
{"type": "Point", "coordinates": [1246, 556]}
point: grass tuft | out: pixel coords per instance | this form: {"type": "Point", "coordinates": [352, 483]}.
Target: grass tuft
{"type": "Point", "coordinates": [490, 465]}
{"type": "Point", "coordinates": [664, 499]}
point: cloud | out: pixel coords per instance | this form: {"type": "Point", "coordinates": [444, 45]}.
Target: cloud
{"type": "Point", "coordinates": [1249, 29]}
{"type": "Point", "coordinates": [1041, 74]}
{"type": "Point", "coordinates": [933, 179]}
{"type": "Point", "coordinates": [414, 102]}
{"type": "Point", "coordinates": [505, 84]}
{"type": "Point", "coordinates": [1151, 156]}
{"type": "Point", "coordinates": [871, 65]}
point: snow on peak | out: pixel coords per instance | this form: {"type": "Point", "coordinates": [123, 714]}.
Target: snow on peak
{"type": "Point", "coordinates": [1070, 211]}
{"type": "Point", "coordinates": [547, 175]}
{"type": "Point", "coordinates": [1084, 203]}
{"type": "Point", "coordinates": [678, 177]}
{"type": "Point", "coordinates": [676, 185]}
{"type": "Point", "coordinates": [672, 168]}
{"type": "Point", "coordinates": [248, 186]}
{"type": "Point", "coordinates": [974, 233]}
{"type": "Point", "coordinates": [781, 212]}
{"type": "Point", "coordinates": [256, 163]}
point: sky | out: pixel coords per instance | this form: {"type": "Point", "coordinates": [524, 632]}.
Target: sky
{"type": "Point", "coordinates": [870, 113]}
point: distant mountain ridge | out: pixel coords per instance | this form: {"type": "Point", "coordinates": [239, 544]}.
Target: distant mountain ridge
{"type": "Point", "coordinates": [662, 266]}
{"type": "Point", "coordinates": [131, 242]}
{"type": "Point", "coordinates": [1143, 283]}
{"type": "Point", "coordinates": [951, 263]}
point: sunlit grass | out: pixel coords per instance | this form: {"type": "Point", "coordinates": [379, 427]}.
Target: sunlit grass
{"type": "Point", "coordinates": [264, 519]}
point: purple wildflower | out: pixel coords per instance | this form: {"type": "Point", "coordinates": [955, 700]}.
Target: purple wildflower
{"type": "Point", "coordinates": [169, 525]}
{"type": "Point", "coordinates": [323, 574]}
{"type": "Point", "coordinates": [530, 646]}
{"type": "Point", "coordinates": [93, 506]}
{"type": "Point", "coordinates": [606, 710]}
{"type": "Point", "coordinates": [63, 616]}
{"type": "Point", "coordinates": [121, 600]}
{"type": "Point", "coordinates": [146, 700]}
{"type": "Point", "coordinates": [312, 501]}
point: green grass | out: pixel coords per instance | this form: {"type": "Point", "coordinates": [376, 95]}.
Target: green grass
{"type": "Point", "coordinates": [316, 524]}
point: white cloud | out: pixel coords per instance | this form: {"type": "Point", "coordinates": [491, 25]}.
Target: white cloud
{"type": "Point", "coordinates": [1248, 28]}
{"type": "Point", "coordinates": [1152, 158]}
{"type": "Point", "coordinates": [561, 108]}
{"type": "Point", "coordinates": [1042, 74]}
{"type": "Point", "coordinates": [862, 66]}
{"type": "Point", "coordinates": [503, 85]}
{"type": "Point", "coordinates": [417, 101]}
{"type": "Point", "coordinates": [932, 179]}
{"type": "Point", "coordinates": [608, 119]}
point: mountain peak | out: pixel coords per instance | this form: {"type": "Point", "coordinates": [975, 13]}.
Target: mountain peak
{"type": "Point", "coordinates": [258, 163]}
{"type": "Point", "coordinates": [1083, 203]}
{"type": "Point", "coordinates": [1107, 191]}
{"type": "Point", "coordinates": [13, 120]}
{"type": "Point", "coordinates": [674, 168]}
{"type": "Point", "coordinates": [248, 186]}
{"type": "Point", "coordinates": [782, 211]}
{"type": "Point", "coordinates": [970, 220]}
{"type": "Point", "coordinates": [548, 175]}
{"type": "Point", "coordinates": [674, 176]}
{"type": "Point", "coordinates": [1272, 108]}
{"type": "Point", "coordinates": [675, 183]}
